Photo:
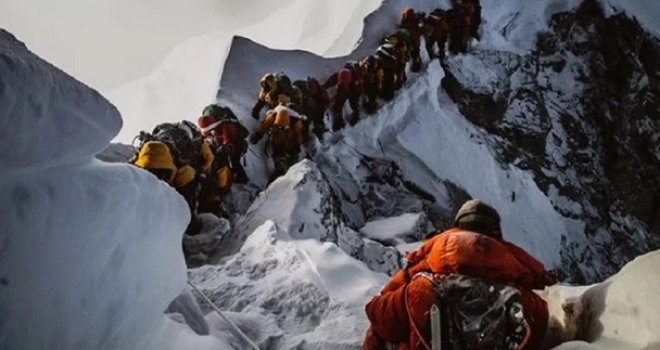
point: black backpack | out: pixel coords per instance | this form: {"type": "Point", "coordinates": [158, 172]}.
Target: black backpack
{"type": "Point", "coordinates": [283, 84]}
{"type": "Point", "coordinates": [474, 313]}
{"type": "Point", "coordinates": [183, 139]}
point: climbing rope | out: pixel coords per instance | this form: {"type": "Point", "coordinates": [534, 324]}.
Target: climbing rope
{"type": "Point", "coordinates": [247, 339]}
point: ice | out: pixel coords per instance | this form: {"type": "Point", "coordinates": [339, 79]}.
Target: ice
{"type": "Point", "coordinates": [90, 252]}
{"type": "Point", "coordinates": [619, 313]}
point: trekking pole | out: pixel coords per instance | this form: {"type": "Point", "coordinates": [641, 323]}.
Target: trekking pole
{"type": "Point", "coordinates": [436, 328]}
{"type": "Point", "coordinates": [233, 326]}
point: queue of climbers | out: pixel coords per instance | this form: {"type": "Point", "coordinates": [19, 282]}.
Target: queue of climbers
{"type": "Point", "coordinates": [202, 161]}
{"type": "Point", "coordinates": [360, 83]}
{"type": "Point", "coordinates": [464, 288]}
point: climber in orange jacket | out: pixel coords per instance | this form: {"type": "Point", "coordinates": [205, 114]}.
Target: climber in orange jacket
{"type": "Point", "coordinates": [400, 314]}
{"type": "Point", "coordinates": [284, 127]}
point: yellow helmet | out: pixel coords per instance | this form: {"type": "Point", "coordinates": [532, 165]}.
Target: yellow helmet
{"type": "Point", "coordinates": [156, 155]}
{"type": "Point", "coordinates": [268, 82]}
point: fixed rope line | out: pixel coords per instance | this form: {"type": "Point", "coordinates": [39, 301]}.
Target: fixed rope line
{"type": "Point", "coordinates": [247, 339]}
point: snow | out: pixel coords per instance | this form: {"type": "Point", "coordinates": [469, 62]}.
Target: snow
{"type": "Point", "coordinates": [393, 228]}
{"type": "Point", "coordinates": [303, 205]}
{"type": "Point", "coordinates": [619, 313]}
{"type": "Point", "coordinates": [512, 25]}
{"type": "Point", "coordinates": [42, 116]}
{"type": "Point", "coordinates": [455, 153]}
{"type": "Point", "coordinates": [90, 252]}
{"type": "Point", "coordinates": [293, 272]}
{"type": "Point", "coordinates": [645, 11]}
{"type": "Point", "coordinates": [302, 288]}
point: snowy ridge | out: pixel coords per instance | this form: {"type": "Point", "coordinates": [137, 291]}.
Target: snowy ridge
{"type": "Point", "coordinates": [303, 205]}
{"type": "Point", "coordinates": [35, 114]}
{"type": "Point", "coordinates": [104, 240]}
{"type": "Point", "coordinates": [302, 289]}
{"type": "Point", "coordinates": [90, 253]}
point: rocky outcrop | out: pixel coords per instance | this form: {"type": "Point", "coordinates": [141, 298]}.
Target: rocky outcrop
{"type": "Point", "coordinates": [581, 112]}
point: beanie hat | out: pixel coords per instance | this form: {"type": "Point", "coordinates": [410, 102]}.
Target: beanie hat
{"type": "Point", "coordinates": [476, 215]}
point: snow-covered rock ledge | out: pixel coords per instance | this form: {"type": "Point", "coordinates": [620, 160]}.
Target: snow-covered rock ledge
{"type": "Point", "coordinates": [619, 313]}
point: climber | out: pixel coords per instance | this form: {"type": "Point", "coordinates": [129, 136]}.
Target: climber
{"type": "Point", "coordinates": [412, 21]}
{"type": "Point", "coordinates": [220, 126]}
{"type": "Point", "coordinates": [349, 87]}
{"type": "Point", "coordinates": [436, 29]}
{"type": "Point", "coordinates": [473, 249]}
{"type": "Point", "coordinates": [386, 58]}
{"type": "Point", "coordinates": [475, 20]}
{"type": "Point", "coordinates": [400, 41]}
{"type": "Point", "coordinates": [176, 154]}
{"type": "Point", "coordinates": [314, 100]}
{"type": "Point", "coordinates": [284, 128]}
{"type": "Point", "coordinates": [372, 77]}
{"type": "Point", "coordinates": [274, 89]}
{"type": "Point", "coordinates": [460, 18]}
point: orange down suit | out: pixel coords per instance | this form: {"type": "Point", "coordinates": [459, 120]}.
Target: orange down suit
{"type": "Point", "coordinates": [453, 252]}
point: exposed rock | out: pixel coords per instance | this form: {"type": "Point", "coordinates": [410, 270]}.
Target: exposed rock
{"type": "Point", "coordinates": [581, 112]}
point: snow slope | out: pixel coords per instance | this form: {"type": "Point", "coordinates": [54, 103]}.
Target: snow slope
{"type": "Point", "coordinates": [293, 293]}
{"type": "Point", "coordinates": [90, 253]}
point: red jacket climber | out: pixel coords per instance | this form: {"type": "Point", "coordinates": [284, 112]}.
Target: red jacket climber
{"type": "Point", "coordinates": [399, 315]}
{"type": "Point", "coordinates": [349, 87]}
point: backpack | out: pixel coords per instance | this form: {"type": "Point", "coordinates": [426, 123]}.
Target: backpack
{"type": "Point", "coordinates": [301, 85]}
{"type": "Point", "coordinates": [300, 96]}
{"type": "Point", "coordinates": [283, 84]}
{"type": "Point", "coordinates": [183, 139]}
{"type": "Point", "coordinates": [386, 53]}
{"type": "Point", "coordinates": [473, 313]}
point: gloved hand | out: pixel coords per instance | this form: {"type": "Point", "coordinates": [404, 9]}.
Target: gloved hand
{"type": "Point", "coordinates": [255, 112]}
{"type": "Point", "coordinates": [549, 278]}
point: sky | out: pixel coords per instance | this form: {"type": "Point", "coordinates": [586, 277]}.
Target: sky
{"type": "Point", "coordinates": [104, 45]}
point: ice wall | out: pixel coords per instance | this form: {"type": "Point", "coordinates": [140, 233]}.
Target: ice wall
{"type": "Point", "coordinates": [90, 253]}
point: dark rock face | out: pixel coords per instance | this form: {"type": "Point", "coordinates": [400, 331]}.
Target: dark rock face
{"type": "Point", "coordinates": [582, 113]}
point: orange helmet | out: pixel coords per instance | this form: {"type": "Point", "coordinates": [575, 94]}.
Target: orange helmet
{"type": "Point", "coordinates": [408, 12]}
{"type": "Point", "coordinates": [345, 76]}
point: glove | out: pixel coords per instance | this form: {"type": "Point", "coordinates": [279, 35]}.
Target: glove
{"type": "Point", "coordinates": [549, 278]}
{"type": "Point", "coordinates": [255, 112]}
